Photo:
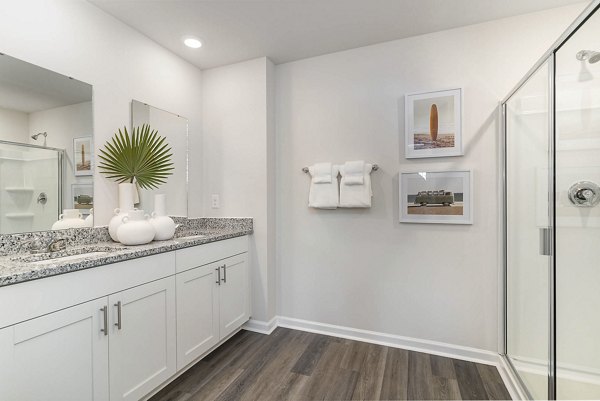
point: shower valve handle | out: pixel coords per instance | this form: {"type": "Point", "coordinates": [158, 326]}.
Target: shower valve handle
{"type": "Point", "coordinates": [584, 194]}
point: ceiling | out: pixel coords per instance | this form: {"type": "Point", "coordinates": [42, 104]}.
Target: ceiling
{"type": "Point", "coordinates": [28, 88]}
{"type": "Point", "coordinates": [288, 30]}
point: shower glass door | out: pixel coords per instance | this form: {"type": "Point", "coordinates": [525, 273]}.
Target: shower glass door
{"type": "Point", "coordinates": [578, 213]}
{"type": "Point", "coordinates": [529, 223]}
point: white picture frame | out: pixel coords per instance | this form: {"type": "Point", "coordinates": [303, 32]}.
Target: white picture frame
{"type": "Point", "coordinates": [457, 187]}
{"type": "Point", "coordinates": [420, 139]}
{"type": "Point", "coordinates": [83, 161]}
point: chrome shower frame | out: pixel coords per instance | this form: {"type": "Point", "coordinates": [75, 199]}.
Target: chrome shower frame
{"type": "Point", "coordinates": [550, 58]}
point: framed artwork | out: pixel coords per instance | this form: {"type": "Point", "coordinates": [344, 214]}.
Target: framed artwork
{"type": "Point", "coordinates": [436, 197]}
{"type": "Point", "coordinates": [433, 124]}
{"type": "Point", "coordinates": [82, 156]}
{"type": "Point", "coordinates": [83, 197]}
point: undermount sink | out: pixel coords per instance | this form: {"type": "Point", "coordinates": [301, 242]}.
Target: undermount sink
{"type": "Point", "coordinates": [62, 256]}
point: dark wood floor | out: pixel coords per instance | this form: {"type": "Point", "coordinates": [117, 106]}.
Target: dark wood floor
{"type": "Point", "coordinates": [295, 365]}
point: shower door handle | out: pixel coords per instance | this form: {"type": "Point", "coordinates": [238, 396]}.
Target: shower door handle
{"type": "Point", "coordinates": [546, 241]}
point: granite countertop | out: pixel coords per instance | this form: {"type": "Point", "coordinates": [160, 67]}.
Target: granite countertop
{"type": "Point", "coordinates": [18, 268]}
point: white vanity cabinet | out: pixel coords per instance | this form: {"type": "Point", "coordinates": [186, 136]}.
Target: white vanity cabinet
{"type": "Point", "coordinates": [212, 299]}
{"type": "Point", "coordinates": [62, 356]}
{"type": "Point", "coordinates": [234, 306]}
{"type": "Point", "coordinates": [197, 313]}
{"type": "Point", "coordinates": [120, 331]}
{"type": "Point", "coordinates": [142, 349]}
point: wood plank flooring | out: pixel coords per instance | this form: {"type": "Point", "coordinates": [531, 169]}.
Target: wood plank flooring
{"type": "Point", "coordinates": [295, 365]}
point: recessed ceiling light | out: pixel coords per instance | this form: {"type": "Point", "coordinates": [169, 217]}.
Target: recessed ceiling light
{"type": "Point", "coordinates": [192, 42]}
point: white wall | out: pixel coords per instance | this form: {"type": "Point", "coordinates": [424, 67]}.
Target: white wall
{"type": "Point", "coordinates": [77, 39]}
{"type": "Point", "coordinates": [14, 125]}
{"type": "Point", "coordinates": [238, 134]}
{"type": "Point", "coordinates": [361, 268]}
{"type": "Point", "coordinates": [62, 124]}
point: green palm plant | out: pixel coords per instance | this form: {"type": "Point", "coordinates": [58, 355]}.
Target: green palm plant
{"type": "Point", "coordinates": [144, 157]}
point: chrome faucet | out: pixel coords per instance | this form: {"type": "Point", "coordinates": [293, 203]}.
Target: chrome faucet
{"type": "Point", "coordinates": [33, 246]}
{"type": "Point", "coordinates": [59, 244]}
{"type": "Point", "coordinates": [38, 246]}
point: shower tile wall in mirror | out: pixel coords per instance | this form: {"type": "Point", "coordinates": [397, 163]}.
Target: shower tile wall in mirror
{"type": "Point", "coordinates": [46, 144]}
{"type": "Point", "coordinates": [175, 129]}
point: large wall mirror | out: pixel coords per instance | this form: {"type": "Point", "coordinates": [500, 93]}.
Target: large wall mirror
{"type": "Point", "coordinates": [46, 144]}
{"type": "Point", "coordinates": [175, 129]}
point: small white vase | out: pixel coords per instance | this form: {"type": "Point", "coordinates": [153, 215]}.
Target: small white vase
{"type": "Point", "coordinates": [163, 224]}
{"type": "Point", "coordinates": [89, 220]}
{"type": "Point", "coordinates": [136, 229]}
{"type": "Point", "coordinates": [125, 204]}
{"type": "Point", "coordinates": [70, 218]}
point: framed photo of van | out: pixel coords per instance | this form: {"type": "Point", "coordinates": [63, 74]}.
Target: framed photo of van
{"type": "Point", "coordinates": [83, 197]}
{"type": "Point", "coordinates": [441, 197]}
{"type": "Point", "coordinates": [433, 124]}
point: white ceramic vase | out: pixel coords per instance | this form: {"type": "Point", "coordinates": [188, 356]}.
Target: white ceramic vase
{"type": "Point", "coordinates": [135, 228]}
{"type": "Point", "coordinates": [89, 220]}
{"type": "Point", "coordinates": [70, 218]}
{"type": "Point", "coordinates": [163, 224]}
{"type": "Point", "coordinates": [125, 205]}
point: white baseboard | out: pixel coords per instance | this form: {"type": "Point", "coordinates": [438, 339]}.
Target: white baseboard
{"type": "Point", "coordinates": [260, 326]}
{"type": "Point", "coordinates": [510, 381]}
{"type": "Point", "coordinates": [390, 340]}
{"type": "Point", "coordinates": [564, 371]}
{"type": "Point", "coordinates": [395, 341]}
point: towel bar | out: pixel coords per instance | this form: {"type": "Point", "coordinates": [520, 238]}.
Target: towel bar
{"type": "Point", "coordinates": [375, 168]}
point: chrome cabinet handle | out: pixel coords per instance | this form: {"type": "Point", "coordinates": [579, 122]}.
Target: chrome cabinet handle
{"type": "Point", "coordinates": [218, 269]}
{"type": "Point", "coordinates": [118, 324]}
{"type": "Point", "coordinates": [104, 311]}
{"type": "Point", "coordinates": [224, 273]}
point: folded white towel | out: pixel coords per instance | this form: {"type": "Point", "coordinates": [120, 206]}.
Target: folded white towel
{"type": "Point", "coordinates": [320, 173]}
{"type": "Point", "coordinates": [354, 172]}
{"type": "Point", "coordinates": [324, 195]}
{"type": "Point", "coordinates": [356, 195]}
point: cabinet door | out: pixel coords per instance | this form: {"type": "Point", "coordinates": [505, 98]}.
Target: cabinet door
{"type": "Point", "coordinates": [234, 305]}
{"type": "Point", "coordinates": [142, 339]}
{"type": "Point", "coordinates": [197, 312]}
{"type": "Point", "coordinates": [61, 356]}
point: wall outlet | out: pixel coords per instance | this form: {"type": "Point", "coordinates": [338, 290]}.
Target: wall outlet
{"type": "Point", "coordinates": [215, 201]}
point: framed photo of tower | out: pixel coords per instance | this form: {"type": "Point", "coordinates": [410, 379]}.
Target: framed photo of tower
{"type": "Point", "coordinates": [82, 156]}
{"type": "Point", "coordinates": [433, 124]}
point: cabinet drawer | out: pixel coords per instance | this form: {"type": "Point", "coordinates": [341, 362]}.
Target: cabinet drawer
{"type": "Point", "coordinates": [38, 297]}
{"type": "Point", "coordinates": [188, 258]}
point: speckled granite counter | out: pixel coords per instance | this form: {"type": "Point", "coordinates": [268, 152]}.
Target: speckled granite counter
{"type": "Point", "coordinates": [20, 267]}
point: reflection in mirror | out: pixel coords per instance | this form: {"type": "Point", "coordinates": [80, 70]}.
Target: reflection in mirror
{"type": "Point", "coordinates": [175, 129]}
{"type": "Point", "coordinates": [45, 148]}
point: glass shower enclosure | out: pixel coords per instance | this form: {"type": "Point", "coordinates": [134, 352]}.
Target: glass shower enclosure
{"type": "Point", "coordinates": [31, 180]}
{"type": "Point", "coordinates": [552, 219]}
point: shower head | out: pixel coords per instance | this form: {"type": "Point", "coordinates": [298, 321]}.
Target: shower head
{"type": "Point", "coordinates": [591, 56]}
{"type": "Point", "coordinates": [35, 136]}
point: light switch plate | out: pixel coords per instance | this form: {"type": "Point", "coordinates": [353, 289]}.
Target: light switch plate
{"type": "Point", "coordinates": [215, 201]}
